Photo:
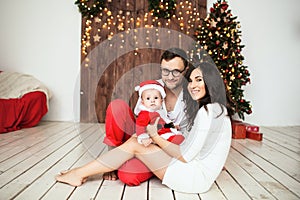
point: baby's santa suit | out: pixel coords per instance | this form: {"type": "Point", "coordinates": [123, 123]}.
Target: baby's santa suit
{"type": "Point", "coordinates": [147, 116]}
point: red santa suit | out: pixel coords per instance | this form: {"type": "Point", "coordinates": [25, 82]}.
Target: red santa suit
{"type": "Point", "coordinates": [145, 116]}
{"type": "Point", "coordinates": [120, 126]}
{"type": "Point", "coordinates": [165, 130]}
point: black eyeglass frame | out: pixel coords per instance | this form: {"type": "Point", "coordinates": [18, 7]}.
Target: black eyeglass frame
{"type": "Point", "coordinates": [167, 72]}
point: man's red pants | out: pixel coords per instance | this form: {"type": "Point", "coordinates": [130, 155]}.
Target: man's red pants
{"type": "Point", "coordinates": [119, 126]}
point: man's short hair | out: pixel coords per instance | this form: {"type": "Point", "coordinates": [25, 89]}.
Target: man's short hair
{"type": "Point", "coordinates": [171, 53]}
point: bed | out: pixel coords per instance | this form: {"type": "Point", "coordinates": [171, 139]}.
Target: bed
{"type": "Point", "coordinates": [24, 100]}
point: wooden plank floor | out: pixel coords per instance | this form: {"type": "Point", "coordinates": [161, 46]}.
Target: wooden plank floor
{"type": "Point", "coordinates": [30, 158]}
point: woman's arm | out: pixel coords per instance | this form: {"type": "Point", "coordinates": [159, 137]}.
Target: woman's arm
{"type": "Point", "coordinates": [208, 126]}
{"type": "Point", "coordinates": [170, 148]}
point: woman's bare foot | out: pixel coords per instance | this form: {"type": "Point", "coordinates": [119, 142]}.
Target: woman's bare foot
{"type": "Point", "coordinates": [70, 177]}
{"type": "Point", "coordinates": [66, 171]}
{"type": "Point", "coordinates": [111, 176]}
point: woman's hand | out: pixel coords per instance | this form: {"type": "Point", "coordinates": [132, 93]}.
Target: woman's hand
{"type": "Point", "coordinates": [152, 129]}
{"type": "Point", "coordinates": [168, 147]}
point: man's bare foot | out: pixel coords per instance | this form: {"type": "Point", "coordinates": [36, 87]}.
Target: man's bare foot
{"type": "Point", "coordinates": [70, 177]}
{"type": "Point", "coordinates": [111, 176]}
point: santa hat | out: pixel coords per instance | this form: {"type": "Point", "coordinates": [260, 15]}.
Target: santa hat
{"type": "Point", "coordinates": [146, 85]}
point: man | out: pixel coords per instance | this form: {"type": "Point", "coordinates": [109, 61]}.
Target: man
{"type": "Point", "coordinates": [120, 120]}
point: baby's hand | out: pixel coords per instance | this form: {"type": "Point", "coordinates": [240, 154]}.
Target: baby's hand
{"type": "Point", "coordinates": [147, 142]}
{"type": "Point", "coordinates": [177, 127]}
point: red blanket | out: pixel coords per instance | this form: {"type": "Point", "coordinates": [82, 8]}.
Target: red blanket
{"type": "Point", "coordinates": [22, 112]}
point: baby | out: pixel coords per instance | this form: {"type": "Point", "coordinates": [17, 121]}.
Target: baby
{"type": "Point", "coordinates": [148, 108]}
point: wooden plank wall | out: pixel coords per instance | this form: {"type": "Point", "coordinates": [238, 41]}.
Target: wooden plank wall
{"type": "Point", "coordinates": [119, 61]}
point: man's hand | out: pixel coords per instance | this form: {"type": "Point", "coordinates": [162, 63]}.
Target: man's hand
{"type": "Point", "coordinates": [152, 129]}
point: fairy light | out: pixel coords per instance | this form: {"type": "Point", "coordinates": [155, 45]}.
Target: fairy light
{"type": "Point", "coordinates": [186, 17]}
{"type": "Point", "coordinates": [138, 23]}
{"type": "Point", "coordinates": [179, 40]}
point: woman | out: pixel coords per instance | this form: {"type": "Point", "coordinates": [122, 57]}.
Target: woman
{"type": "Point", "coordinates": [199, 159]}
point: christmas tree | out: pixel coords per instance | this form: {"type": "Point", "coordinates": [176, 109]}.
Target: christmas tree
{"type": "Point", "coordinates": [219, 39]}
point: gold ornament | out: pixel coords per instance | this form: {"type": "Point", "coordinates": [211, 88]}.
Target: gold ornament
{"type": "Point", "coordinates": [97, 20]}
{"type": "Point", "coordinates": [225, 45]}
{"type": "Point", "coordinates": [213, 24]}
{"type": "Point", "coordinates": [120, 27]}
{"type": "Point", "coordinates": [97, 38]}
{"type": "Point", "coordinates": [88, 44]}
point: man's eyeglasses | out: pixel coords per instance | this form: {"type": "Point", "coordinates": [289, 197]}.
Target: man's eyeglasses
{"type": "Point", "coordinates": [175, 72]}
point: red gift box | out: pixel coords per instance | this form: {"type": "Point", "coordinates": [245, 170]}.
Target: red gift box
{"type": "Point", "coordinates": [242, 130]}
{"type": "Point", "coordinates": [238, 130]}
{"type": "Point", "coordinates": [251, 127]}
{"type": "Point", "coordinates": [254, 135]}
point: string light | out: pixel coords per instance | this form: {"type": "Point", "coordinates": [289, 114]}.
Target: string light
{"type": "Point", "coordinates": [186, 16]}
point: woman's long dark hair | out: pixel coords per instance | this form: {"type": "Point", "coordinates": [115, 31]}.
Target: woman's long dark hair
{"type": "Point", "coordinates": [214, 86]}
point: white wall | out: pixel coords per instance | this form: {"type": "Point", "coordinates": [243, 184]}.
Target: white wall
{"type": "Point", "coordinates": [42, 38]}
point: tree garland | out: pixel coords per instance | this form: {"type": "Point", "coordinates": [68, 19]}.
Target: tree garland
{"type": "Point", "coordinates": [160, 8]}
{"type": "Point", "coordinates": [88, 10]}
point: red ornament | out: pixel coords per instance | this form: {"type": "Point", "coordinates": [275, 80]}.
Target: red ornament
{"type": "Point", "coordinates": [217, 42]}
{"type": "Point", "coordinates": [212, 10]}
{"type": "Point", "coordinates": [224, 5]}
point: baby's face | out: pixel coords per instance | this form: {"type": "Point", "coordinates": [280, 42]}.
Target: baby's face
{"type": "Point", "coordinates": [152, 99]}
